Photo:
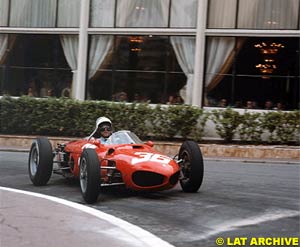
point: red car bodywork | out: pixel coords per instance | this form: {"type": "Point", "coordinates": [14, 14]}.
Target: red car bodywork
{"type": "Point", "coordinates": [129, 159]}
{"type": "Point", "coordinates": [124, 159]}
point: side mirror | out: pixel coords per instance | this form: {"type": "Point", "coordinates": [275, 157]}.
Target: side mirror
{"type": "Point", "coordinates": [149, 143]}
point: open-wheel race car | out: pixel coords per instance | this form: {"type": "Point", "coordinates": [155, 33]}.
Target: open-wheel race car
{"type": "Point", "coordinates": [124, 159]}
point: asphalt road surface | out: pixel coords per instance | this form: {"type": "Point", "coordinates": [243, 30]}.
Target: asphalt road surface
{"type": "Point", "coordinates": [237, 199]}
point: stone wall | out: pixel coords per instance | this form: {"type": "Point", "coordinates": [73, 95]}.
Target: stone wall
{"type": "Point", "coordinates": [172, 148]}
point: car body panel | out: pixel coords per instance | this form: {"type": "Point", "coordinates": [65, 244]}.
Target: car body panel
{"type": "Point", "coordinates": [140, 165]}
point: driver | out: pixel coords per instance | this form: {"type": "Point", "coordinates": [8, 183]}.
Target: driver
{"type": "Point", "coordinates": [104, 129]}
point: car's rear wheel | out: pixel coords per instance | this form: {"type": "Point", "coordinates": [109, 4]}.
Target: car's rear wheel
{"type": "Point", "coordinates": [192, 166]}
{"type": "Point", "coordinates": [40, 162]}
{"type": "Point", "coordinates": [90, 180]}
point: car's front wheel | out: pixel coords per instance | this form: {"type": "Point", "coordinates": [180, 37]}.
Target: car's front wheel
{"type": "Point", "coordinates": [40, 162]}
{"type": "Point", "coordinates": [90, 180]}
{"type": "Point", "coordinates": [192, 167]}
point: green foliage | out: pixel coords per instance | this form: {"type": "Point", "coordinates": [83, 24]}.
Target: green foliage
{"type": "Point", "coordinates": [283, 127]}
{"type": "Point", "coordinates": [197, 131]}
{"type": "Point", "coordinates": [227, 122]}
{"type": "Point", "coordinates": [251, 128]}
{"type": "Point", "coordinates": [131, 117]}
{"type": "Point", "coordinates": [278, 127]}
{"type": "Point", "coordinates": [168, 122]}
{"type": "Point", "coordinates": [66, 117]}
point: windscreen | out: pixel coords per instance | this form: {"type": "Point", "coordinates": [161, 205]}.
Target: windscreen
{"type": "Point", "coordinates": [124, 137]}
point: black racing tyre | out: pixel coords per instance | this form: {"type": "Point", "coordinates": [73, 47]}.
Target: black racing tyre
{"type": "Point", "coordinates": [40, 162]}
{"type": "Point", "coordinates": [192, 167]}
{"type": "Point", "coordinates": [90, 180]}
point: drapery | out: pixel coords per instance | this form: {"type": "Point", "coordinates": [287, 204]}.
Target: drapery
{"type": "Point", "coordinates": [3, 46]}
{"type": "Point", "coordinates": [220, 58]}
{"type": "Point", "coordinates": [70, 47]}
{"type": "Point", "coordinates": [102, 13]}
{"type": "Point", "coordinates": [184, 48]}
{"type": "Point", "coordinates": [145, 13]}
{"type": "Point", "coordinates": [4, 5]}
{"type": "Point", "coordinates": [3, 49]}
{"type": "Point", "coordinates": [222, 14]}
{"type": "Point", "coordinates": [68, 16]}
{"type": "Point", "coordinates": [267, 14]}
{"type": "Point", "coordinates": [7, 42]}
{"type": "Point", "coordinates": [68, 13]}
{"type": "Point", "coordinates": [218, 50]}
{"type": "Point", "coordinates": [183, 13]}
{"type": "Point", "coordinates": [142, 13]}
{"type": "Point", "coordinates": [100, 45]}
{"type": "Point", "coordinates": [33, 13]}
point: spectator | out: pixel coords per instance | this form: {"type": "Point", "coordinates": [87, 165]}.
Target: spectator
{"type": "Point", "coordinates": [238, 104]}
{"type": "Point", "coordinates": [32, 92]}
{"type": "Point", "coordinates": [175, 100]}
{"type": "Point", "coordinates": [120, 97]}
{"type": "Point", "coordinates": [222, 103]}
{"type": "Point", "coordinates": [268, 105]}
{"type": "Point", "coordinates": [249, 104]}
{"type": "Point", "coordinates": [171, 100]}
{"type": "Point", "coordinates": [44, 89]}
{"type": "Point", "coordinates": [210, 101]}
{"type": "Point", "coordinates": [254, 105]}
{"type": "Point", "coordinates": [50, 92]}
{"type": "Point", "coordinates": [178, 99]}
{"type": "Point", "coordinates": [66, 92]}
{"type": "Point", "coordinates": [279, 106]}
{"type": "Point", "coordinates": [138, 98]}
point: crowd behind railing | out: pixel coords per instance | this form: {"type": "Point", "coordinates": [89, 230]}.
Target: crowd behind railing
{"type": "Point", "coordinates": [172, 99]}
{"type": "Point", "coordinates": [250, 104]}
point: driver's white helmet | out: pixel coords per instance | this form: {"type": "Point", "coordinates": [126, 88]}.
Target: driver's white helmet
{"type": "Point", "coordinates": [99, 121]}
{"type": "Point", "coordinates": [102, 120]}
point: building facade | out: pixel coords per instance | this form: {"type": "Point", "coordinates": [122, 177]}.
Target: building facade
{"type": "Point", "coordinates": [239, 53]}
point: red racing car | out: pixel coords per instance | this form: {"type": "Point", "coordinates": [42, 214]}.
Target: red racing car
{"type": "Point", "coordinates": [125, 159]}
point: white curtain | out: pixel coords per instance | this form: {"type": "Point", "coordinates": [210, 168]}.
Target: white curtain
{"type": "Point", "coordinates": [184, 48]}
{"type": "Point", "coordinates": [4, 4]}
{"type": "Point", "coordinates": [222, 13]}
{"type": "Point", "coordinates": [70, 48]}
{"type": "Point", "coordinates": [218, 50]}
{"type": "Point", "coordinates": [142, 13]}
{"type": "Point", "coordinates": [100, 46]}
{"type": "Point", "coordinates": [184, 13]}
{"type": "Point", "coordinates": [68, 13]}
{"type": "Point", "coordinates": [3, 45]}
{"type": "Point", "coordinates": [3, 22]}
{"type": "Point", "coordinates": [268, 14]}
{"type": "Point", "coordinates": [68, 16]}
{"type": "Point", "coordinates": [247, 10]}
{"type": "Point", "coordinates": [33, 13]}
{"type": "Point", "coordinates": [102, 13]}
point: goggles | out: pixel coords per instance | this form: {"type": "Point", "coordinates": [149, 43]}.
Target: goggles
{"type": "Point", "coordinates": [107, 128]}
